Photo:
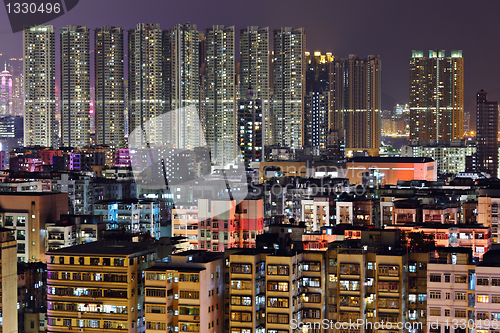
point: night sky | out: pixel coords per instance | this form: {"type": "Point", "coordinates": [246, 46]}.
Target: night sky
{"type": "Point", "coordinates": [389, 28]}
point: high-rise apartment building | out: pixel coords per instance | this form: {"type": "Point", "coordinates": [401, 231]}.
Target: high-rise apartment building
{"type": "Point", "coordinates": [27, 213]}
{"type": "Point", "coordinates": [6, 93]}
{"type": "Point", "coordinates": [487, 134]}
{"type": "Point", "coordinates": [451, 295]}
{"type": "Point", "coordinates": [181, 75]}
{"type": "Point", "coordinates": [355, 101]}
{"type": "Point", "coordinates": [97, 286]}
{"type": "Point", "coordinates": [8, 282]}
{"type": "Point", "coordinates": [255, 71]}
{"type": "Point", "coordinates": [109, 87]}
{"type": "Point", "coordinates": [145, 85]}
{"type": "Point", "coordinates": [39, 85]}
{"type": "Point", "coordinates": [289, 67]}
{"type": "Point", "coordinates": [436, 96]}
{"type": "Point", "coordinates": [316, 100]}
{"type": "Point", "coordinates": [220, 94]}
{"type": "Point", "coordinates": [75, 86]}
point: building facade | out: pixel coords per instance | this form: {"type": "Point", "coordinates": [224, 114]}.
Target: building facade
{"type": "Point", "coordinates": [220, 91]}
{"type": "Point", "coordinates": [316, 100]}
{"type": "Point", "coordinates": [109, 86]}
{"type": "Point", "coordinates": [487, 134]}
{"type": "Point", "coordinates": [195, 280]}
{"type": "Point", "coordinates": [251, 128]}
{"type": "Point", "coordinates": [223, 224]}
{"type": "Point", "coordinates": [6, 93]}
{"type": "Point", "coordinates": [97, 286]}
{"type": "Point", "coordinates": [436, 96]}
{"type": "Point", "coordinates": [355, 90]}
{"type": "Point", "coordinates": [75, 86]}
{"type": "Point", "coordinates": [255, 72]}
{"type": "Point", "coordinates": [27, 214]}
{"type": "Point", "coordinates": [289, 66]}
{"type": "Point", "coordinates": [40, 87]}
{"type": "Point", "coordinates": [8, 281]}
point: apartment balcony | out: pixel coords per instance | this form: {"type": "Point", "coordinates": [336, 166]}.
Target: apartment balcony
{"type": "Point", "coordinates": [189, 318]}
{"type": "Point", "coordinates": [389, 310]}
{"type": "Point", "coordinates": [349, 308]}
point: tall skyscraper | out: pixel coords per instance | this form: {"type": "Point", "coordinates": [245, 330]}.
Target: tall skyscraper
{"type": "Point", "coordinates": [75, 86]}
{"type": "Point", "coordinates": [355, 102]}
{"type": "Point", "coordinates": [109, 87]}
{"type": "Point", "coordinates": [255, 71]}
{"type": "Point", "coordinates": [289, 68]}
{"type": "Point", "coordinates": [220, 94]}
{"type": "Point", "coordinates": [15, 67]}
{"type": "Point", "coordinates": [6, 93]}
{"type": "Point", "coordinates": [436, 96]}
{"type": "Point", "coordinates": [40, 84]}
{"type": "Point", "coordinates": [182, 85]}
{"type": "Point", "coordinates": [487, 134]}
{"type": "Point", "coordinates": [316, 100]}
{"type": "Point", "coordinates": [146, 90]}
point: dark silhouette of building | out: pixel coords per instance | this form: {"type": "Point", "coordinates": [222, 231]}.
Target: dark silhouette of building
{"type": "Point", "coordinates": [486, 136]}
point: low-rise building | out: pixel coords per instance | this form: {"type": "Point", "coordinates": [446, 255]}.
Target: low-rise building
{"type": "Point", "coordinates": [28, 214]}
{"type": "Point", "coordinates": [186, 293]}
{"type": "Point", "coordinates": [73, 230]}
{"type": "Point", "coordinates": [223, 224]}
{"type": "Point", "coordinates": [390, 170]}
{"type": "Point", "coordinates": [473, 236]}
{"type": "Point", "coordinates": [450, 290]}
{"type": "Point", "coordinates": [268, 292]}
{"type": "Point", "coordinates": [185, 224]}
{"type": "Point", "coordinates": [450, 159]}
{"type": "Point", "coordinates": [132, 215]}
{"type": "Point", "coordinates": [97, 286]}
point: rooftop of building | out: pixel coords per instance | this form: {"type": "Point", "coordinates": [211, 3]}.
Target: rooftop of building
{"type": "Point", "coordinates": [106, 248]}
{"type": "Point", "coordinates": [200, 256]}
{"type": "Point", "coordinates": [432, 225]}
{"type": "Point", "coordinates": [30, 194]}
{"type": "Point", "coordinates": [127, 201]}
{"type": "Point", "coordinates": [67, 223]}
{"type": "Point", "coordinates": [163, 266]}
{"type": "Point", "coordinates": [370, 159]}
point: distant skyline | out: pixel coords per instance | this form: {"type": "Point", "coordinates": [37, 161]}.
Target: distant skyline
{"type": "Point", "coordinates": [391, 29]}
